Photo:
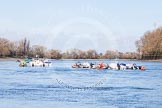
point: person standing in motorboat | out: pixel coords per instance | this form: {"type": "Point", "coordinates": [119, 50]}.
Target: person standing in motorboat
{"type": "Point", "coordinates": [118, 65]}
{"type": "Point", "coordinates": [135, 67]}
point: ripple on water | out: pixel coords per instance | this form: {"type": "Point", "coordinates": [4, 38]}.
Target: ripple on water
{"type": "Point", "coordinates": [130, 88]}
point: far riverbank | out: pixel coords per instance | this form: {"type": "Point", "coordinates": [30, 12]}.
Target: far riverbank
{"type": "Point", "coordinates": [158, 60]}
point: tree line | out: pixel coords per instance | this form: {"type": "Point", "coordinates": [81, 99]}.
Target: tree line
{"type": "Point", "coordinates": [23, 49]}
{"type": "Point", "coordinates": [149, 46]}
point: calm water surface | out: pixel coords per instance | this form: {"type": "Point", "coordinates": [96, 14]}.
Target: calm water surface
{"type": "Point", "coordinates": [60, 86]}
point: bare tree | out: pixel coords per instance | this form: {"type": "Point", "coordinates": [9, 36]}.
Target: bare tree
{"type": "Point", "coordinates": [111, 54]}
{"type": "Point", "coordinates": [23, 48]}
{"type": "Point", "coordinates": [55, 54]}
{"type": "Point", "coordinates": [149, 46]}
{"type": "Point", "coordinates": [38, 50]}
{"type": "Point", "coordinates": [4, 49]}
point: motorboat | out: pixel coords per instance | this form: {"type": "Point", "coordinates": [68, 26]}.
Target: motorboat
{"type": "Point", "coordinates": [111, 66]}
{"type": "Point", "coordinates": [35, 62]}
{"type": "Point", "coordinates": [123, 66]}
{"type": "Point", "coordinates": [81, 65]}
{"type": "Point", "coordinates": [40, 63]}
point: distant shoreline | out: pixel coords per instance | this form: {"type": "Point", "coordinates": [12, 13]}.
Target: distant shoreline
{"type": "Point", "coordinates": [159, 60]}
{"type": "Point", "coordinates": [10, 58]}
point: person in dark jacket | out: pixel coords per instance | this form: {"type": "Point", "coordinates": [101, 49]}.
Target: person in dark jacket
{"type": "Point", "coordinates": [118, 65]}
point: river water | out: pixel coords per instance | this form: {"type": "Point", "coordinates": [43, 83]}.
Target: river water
{"type": "Point", "coordinates": [60, 86]}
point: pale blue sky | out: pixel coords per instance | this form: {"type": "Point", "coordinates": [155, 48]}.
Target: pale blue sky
{"type": "Point", "coordinates": [84, 24]}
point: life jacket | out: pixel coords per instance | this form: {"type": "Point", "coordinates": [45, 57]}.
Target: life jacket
{"type": "Point", "coordinates": [75, 66]}
{"type": "Point", "coordinates": [102, 66]}
{"type": "Point", "coordinates": [143, 68]}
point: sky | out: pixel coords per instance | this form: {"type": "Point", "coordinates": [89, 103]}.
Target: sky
{"type": "Point", "coordinates": [84, 24]}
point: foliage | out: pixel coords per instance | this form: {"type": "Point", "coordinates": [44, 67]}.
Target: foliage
{"type": "Point", "coordinates": [23, 49]}
{"type": "Point", "coordinates": [150, 45]}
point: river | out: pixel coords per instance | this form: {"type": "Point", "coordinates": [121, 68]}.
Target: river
{"type": "Point", "coordinates": [61, 86]}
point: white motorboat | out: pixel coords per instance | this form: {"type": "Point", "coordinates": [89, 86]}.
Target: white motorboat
{"type": "Point", "coordinates": [40, 63]}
